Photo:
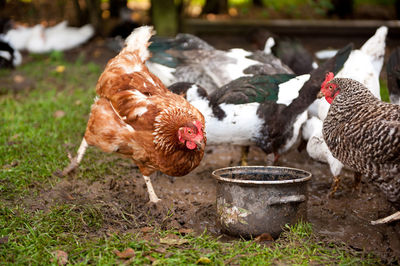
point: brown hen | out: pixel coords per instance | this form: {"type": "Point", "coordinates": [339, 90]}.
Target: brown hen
{"type": "Point", "coordinates": [136, 116]}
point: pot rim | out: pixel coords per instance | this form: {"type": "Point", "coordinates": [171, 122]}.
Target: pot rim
{"type": "Point", "coordinates": [258, 182]}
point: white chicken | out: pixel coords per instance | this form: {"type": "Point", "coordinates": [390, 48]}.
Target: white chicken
{"type": "Point", "coordinates": [38, 39]}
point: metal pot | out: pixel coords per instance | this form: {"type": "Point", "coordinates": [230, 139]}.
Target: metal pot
{"type": "Point", "coordinates": [252, 200]}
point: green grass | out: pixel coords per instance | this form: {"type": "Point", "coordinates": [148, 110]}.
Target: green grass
{"type": "Point", "coordinates": [32, 239]}
{"type": "Point", "coordinates": [34, 143]}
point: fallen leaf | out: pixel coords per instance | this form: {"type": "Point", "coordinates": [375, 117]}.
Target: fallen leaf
{"type": "Point", "coordinates": [78, 102]}
{"type": "Point", "coordinates": [146, 229]}
{"type": "Point", "coordinates": [60, 69]}
{"type": "Point", "coordinates": [151, 258]}
{"type": "Point", "coordinates": [264, 237]}
{"type": "Point", "coordinates": [160, 250]}
{"type": "Point", "coordinates": [96, 53]}
{"type": "Point", "coordinates": [203, 260]}
{"type": "Point", "coordinates": [19, 79]}
{"type": "Point", "coordinates": [185, 231]}
{"type": "Point", "coordinates": [14, 137]}
{"type": "Point", "coordinates": [4, 240]}
{"type": "Point", "coordinates": [126, 254]}
{"type": "Point", "coordinates": [61, 257]}
{"type": "Point", "coordinates": [59, 114]}
{"type": "Point", "coordinates": [173, 241]}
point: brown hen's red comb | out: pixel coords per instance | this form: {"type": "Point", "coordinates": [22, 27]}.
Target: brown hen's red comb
{"type": "Point", "coordinates": [329, 76]}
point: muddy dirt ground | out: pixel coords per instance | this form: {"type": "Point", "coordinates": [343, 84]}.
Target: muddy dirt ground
{"type": "Point", "coordinates": [189, 201]}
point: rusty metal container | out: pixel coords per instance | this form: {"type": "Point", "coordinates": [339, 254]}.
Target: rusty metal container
{"type": "Point", "coordinates": [252, 200]}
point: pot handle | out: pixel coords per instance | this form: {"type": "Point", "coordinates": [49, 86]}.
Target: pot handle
{"type": "Point", "coordinates": [286, 199]}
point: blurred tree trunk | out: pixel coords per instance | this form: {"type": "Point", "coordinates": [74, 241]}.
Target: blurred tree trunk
{"type": "Point", "coordinates": [215, 7]}
{"type": "Point", "coordinates": [89, 13]}
{"type": "Point", "coordinates": [81, 13]}
{"type": "Point", "coordinates": [116, 6]}
{"type": "Point", "coordinates": [164, 15]}
{"type": "Point", "coordinates": [94, 10]}
{"type": "Point", "coordinates": [258, 3]}
{"type": "Point", "coordinates": [342, 8]}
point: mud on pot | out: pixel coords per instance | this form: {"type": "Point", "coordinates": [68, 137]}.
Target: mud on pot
{"type": "Point", "coordinates": [252, 200]}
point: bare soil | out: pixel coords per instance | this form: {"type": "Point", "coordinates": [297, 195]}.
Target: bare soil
{"type": "Point", "coordinates": [189, 201]}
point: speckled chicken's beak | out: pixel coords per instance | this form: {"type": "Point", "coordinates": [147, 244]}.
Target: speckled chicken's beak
{"type": "Point", "coordinates": [320, 95]}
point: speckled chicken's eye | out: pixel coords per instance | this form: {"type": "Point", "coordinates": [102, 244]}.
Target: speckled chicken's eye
{"type": "Point", "coordinates": [189, 131]}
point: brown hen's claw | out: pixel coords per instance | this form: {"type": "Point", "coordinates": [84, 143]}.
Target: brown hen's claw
{"type": "Point", "coordinates": [71, 167]}
{"type": "Point", "coordinates": [152, 195]}
{"type": "Point", "coordinates": [76, 160]}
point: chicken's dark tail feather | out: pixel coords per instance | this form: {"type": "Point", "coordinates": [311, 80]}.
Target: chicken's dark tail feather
{"type": "Point", "coordinates": [393, 76]}
{"type": "Point", "coordinates": [341, 57]}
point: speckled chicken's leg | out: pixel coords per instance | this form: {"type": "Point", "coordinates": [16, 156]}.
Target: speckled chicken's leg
{"type": "Point", "coordinates": [335, 185]}
{"type": "Point", "coordinates": [394, 217]}
{"type": "Point", "coordinates": [276, 158]}
{"type": "Point", "coordinates": [152, 195]}
{"type": "Point", "coordinates": [357, 180]}
{"type": "Point", "coordinates": [245, 154]}
{"type": "Point", "coordinates": [76, 160]}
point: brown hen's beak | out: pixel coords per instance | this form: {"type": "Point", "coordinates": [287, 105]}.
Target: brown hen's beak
{"type": "Point", "coordinates": [320, 95]}
{"type": "Point", "coordinates": [200, 144]}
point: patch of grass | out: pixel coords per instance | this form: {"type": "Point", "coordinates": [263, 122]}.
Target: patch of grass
{"type": "Point", "coordinates": [34, 140]}
{"type": "Point", "coordinates": [384, 90]}
{"type": "Point", "coordinates": [32, 239]}
{"type": "Point", "coordinates": [37, 127]}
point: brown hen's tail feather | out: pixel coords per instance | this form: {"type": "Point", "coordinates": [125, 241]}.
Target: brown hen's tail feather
{"type": "Point", "coordinates": [138, 40]}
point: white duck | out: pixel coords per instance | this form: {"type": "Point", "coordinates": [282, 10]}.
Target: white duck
{"type": "Point", "coordinates": [265, 110]}
{"type": "Point", "coordinates": [187, 58]}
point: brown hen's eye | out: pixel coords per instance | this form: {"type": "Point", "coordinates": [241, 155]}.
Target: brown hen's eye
{"type": "Point", "coordinates": [189, 131]}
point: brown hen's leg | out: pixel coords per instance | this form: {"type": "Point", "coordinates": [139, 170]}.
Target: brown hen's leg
{"type": "Point", "coordinates": [394, 217]}
{"type": "Point", "coordinates": [152, 195]}
{"type": "Point", "coordinates": [335, 185]}
{"type": "Point", "coordinates": [76, 160]}
{"type": "Point", "coordinates": [245, 154]}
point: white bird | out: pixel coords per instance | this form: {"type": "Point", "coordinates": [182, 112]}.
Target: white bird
{"type": "Point", "coordinates": [9, 56]}
{"type": "Point", "coordinates": [242, 124]}
{"type": "Point", "coordinates": [187, 58]}
{"type": "Point", "coordinates": [38, 39]}
{"type": "Point", "coordinates": [317, 148]}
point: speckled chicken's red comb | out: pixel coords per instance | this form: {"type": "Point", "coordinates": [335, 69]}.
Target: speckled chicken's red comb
{"type": "Point", "coordinates": [329, 76]}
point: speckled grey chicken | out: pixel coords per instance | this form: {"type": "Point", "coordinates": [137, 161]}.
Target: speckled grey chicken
{"type": "Point", "coordinates": [364, 133]}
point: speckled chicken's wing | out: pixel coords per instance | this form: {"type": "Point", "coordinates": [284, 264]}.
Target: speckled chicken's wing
{"type": "Point", "coordinates": [377, 134]}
